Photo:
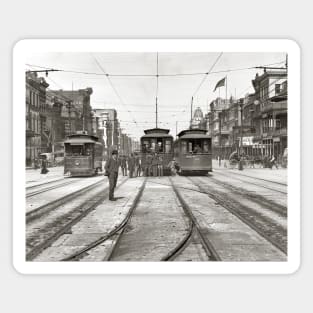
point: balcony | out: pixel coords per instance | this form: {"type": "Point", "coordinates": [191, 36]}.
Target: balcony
{"type": "Point", "coordinates": [274, 106]}
{"type": "Point", "coordinates": [276, 132]}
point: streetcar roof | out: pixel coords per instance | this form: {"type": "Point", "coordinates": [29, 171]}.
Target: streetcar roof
{"type": "Point", "coordinates": [193, 134]}
{"type": "Point", "coordinates": [157, 135]}
{"type": "Point", "coordinates": [156, 131]}
{"type": "Point", "coordinates": [79, 141]}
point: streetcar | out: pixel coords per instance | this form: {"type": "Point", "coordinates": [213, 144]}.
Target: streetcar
{"type": "Point", "coordinates": [83, 155]}
{"type": "Point", "coordinates": [157, 141]}
{"type": "Point", "coordinates": [193, 152]}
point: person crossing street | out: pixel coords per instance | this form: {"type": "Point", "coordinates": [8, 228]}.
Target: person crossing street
{"type": "Point", "coordinates": [111, 170]}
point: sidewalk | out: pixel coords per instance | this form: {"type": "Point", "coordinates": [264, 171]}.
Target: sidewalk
{"type": "Point", "coordinates": [33, 176]}
{"type": "Point", "coordinates": [279, 175]}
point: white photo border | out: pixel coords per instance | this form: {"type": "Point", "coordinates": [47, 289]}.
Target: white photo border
{"type": "Point", "coordinates": [27, 46]}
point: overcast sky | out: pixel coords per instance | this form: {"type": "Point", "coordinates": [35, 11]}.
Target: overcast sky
{"type": "Point", "coordinates": [138, 93]}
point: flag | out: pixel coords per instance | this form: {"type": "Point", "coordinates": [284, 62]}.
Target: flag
{"type": "Point", "coordinates": [220, 83]}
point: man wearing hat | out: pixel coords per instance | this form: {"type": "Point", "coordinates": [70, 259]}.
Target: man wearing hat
{"type": "Point", "coordinates": [111, 170]}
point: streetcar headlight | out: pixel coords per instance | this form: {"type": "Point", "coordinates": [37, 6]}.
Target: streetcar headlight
{"type": "Point", "coordinates": [77, 163]}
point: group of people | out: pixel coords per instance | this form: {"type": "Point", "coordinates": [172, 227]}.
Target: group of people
{"type": "Point", "coordinates": [132, 164]}
{"type": "Point", "coordinates": [152, 166]}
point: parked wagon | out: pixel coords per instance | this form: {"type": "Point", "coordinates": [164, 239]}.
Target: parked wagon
{"type": "Point", "coordinates": [83, 155]}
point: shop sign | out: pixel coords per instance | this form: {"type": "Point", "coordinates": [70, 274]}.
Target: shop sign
{"type": "Point", "coordinates": [276, 139]}
{"type": "Point", "coordinates": [247, 141]}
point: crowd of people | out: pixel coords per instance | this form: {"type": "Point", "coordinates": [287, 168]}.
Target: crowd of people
{"type": "Point", "coordinates": [133, 166]}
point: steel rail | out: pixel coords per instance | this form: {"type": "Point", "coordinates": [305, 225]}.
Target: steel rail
{"type": "Point", "coordinates": [120, 227]}
{"type": "Point", "coordinates": [206, 244]}
{"type": "Point", "coordinates": [34, 193]}
{"type": "Point", "coordinates": [240, 216]}
{"type": "Point", "coordinates": [46, 243]}
{"type": "Point", "coordinates": [259, 199]}
{"type": "Point", "coordinates": [48, 207]}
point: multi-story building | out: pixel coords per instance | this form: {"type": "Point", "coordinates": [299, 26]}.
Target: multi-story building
{"type": "Point", "coordinates": [35, 115]}
{"type": "Point", "coordinates": [255, 124]}
{"type": "Point", "coordinates": [108, 126]}
{"type": "Point", "coordinates": [78, 103]}
{"type": "Point", "coordinates": [270, 113]}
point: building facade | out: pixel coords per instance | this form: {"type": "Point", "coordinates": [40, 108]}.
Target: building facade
{"type": "Point", "coordinates": [35, 116]}
{"type": "Point", "coordinates": [254, 125]}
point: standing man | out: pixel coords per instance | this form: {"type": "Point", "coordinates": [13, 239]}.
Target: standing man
{"type": "Point", "coordinates": [160, 165]}
{"type": "Point", "coordinates": [111, 170]}
{"type": "Point", "coordinates": [155, 161]}
{"type": "Point", "coordinates": [124, 165]}
{"type": "Point", "coordinates": [131, 165]}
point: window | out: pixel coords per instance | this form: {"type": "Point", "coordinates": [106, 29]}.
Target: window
{"type": "Point", "coordinates": [277, 89]}
{"type": "Point", "coordinates": [168, 146]}
{"type": "Point", "coordinates": [184, 146]}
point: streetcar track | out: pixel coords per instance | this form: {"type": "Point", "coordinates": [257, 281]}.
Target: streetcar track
{"type": "Point", "coordinates": [54, 204]}
{"type": "Point", "coordinates": [259, 199]}
{"type": "Point", "coordinates": [31, 194]}
{"type": "Point", "coordinates": [273, 233]}
{"type": "Point", "coordinates": [118, 230]}
{"type": "Point", "coordinates": [81, 212]}
{"type": "Point", "coordinates": [254, 177]}
{"type": "Point", "coordinates": [206, 244]}
{"type": "Point", "coordinates": [44, 183]}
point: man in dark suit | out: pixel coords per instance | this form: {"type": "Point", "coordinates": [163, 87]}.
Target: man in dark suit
{"type": "Point", "coordinates": [111, 170]}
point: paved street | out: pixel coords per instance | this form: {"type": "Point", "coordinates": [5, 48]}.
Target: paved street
{"type": "Point", "coordinates": [238, 216]}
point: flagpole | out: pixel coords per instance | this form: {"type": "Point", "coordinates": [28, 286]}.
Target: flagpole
{"type": "Point", "coordinates": [226, 89]}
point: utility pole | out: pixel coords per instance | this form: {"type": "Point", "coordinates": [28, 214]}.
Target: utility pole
{"type": "Point", "coordinates": [191, 110]}
{"type": "Point", "coordinates": [240, 165]}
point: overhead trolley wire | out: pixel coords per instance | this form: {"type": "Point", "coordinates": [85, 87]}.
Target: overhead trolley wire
{"type": "Point", "coordinates": [154, 75]}
{"type": "Point", "coordinates": [113, 87]}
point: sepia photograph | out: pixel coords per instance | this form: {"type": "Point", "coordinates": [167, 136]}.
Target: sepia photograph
{"type": "Point", "coordinates": [147, 154]}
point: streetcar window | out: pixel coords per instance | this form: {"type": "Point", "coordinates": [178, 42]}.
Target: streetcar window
{"type": "Point", "coordinates": [183, 146]}
{"type": "Point", "coordinates": [190, 149]}
{"type": "Point", "coordinates": [205, 146]}
{"type": "Point", "coordinates": [168, 146]}
{"type": "Point", "coordinates": [159, 146]}
{"type": "Point", "coordinates": [153, 145]}
{"type": "Point", "coordinates": [76, 150]}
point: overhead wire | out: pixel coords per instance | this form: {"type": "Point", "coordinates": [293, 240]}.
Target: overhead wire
{"type": "Point", "coordinates": [113, 87]}
{"type": "Point", "coordinates": [154, 75]}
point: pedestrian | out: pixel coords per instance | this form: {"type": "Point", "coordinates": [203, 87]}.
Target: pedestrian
{"type": "Point", "coordinates": [111, 170]}
{"type": "Point", "coordinates": [160, 165]}
{"type": "Point", "coordinates": [139, 167]}
{"type": "Point", "coordinates": [273, 162]}
{"type": "Point", "coordinates": [136, 161]}
{"type": "Point", "coordinates": [148, 165]}
{"type": "Point", "coordinates": [131, 165]}
{"type": "Point", "coordinates": [124, 165]}
{"type": "Point", "coordinates": [155, 165]}
{"type": "Point", "coordinates": [44, 169]}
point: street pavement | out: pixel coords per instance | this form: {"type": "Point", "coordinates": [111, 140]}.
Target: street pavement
{"type": "Point", "coordinates": [278, 175]}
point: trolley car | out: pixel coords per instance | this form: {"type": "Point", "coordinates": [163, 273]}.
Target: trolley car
{"type": "Point", "coordinates": [193, 152]}
{"type": "Point", "coordinates": [83, 155]}
{"type": "Point", "coordinates": [157, 141]}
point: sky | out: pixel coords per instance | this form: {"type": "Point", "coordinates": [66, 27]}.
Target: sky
{"type": "Point", "coordinates": [134, 96]}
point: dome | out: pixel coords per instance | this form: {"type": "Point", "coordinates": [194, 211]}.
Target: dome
{"type": "Point", "coordinates": [198, 113]}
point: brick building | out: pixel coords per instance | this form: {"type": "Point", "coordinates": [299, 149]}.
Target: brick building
{"type": "Point", "coordinates": [35, 116]}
